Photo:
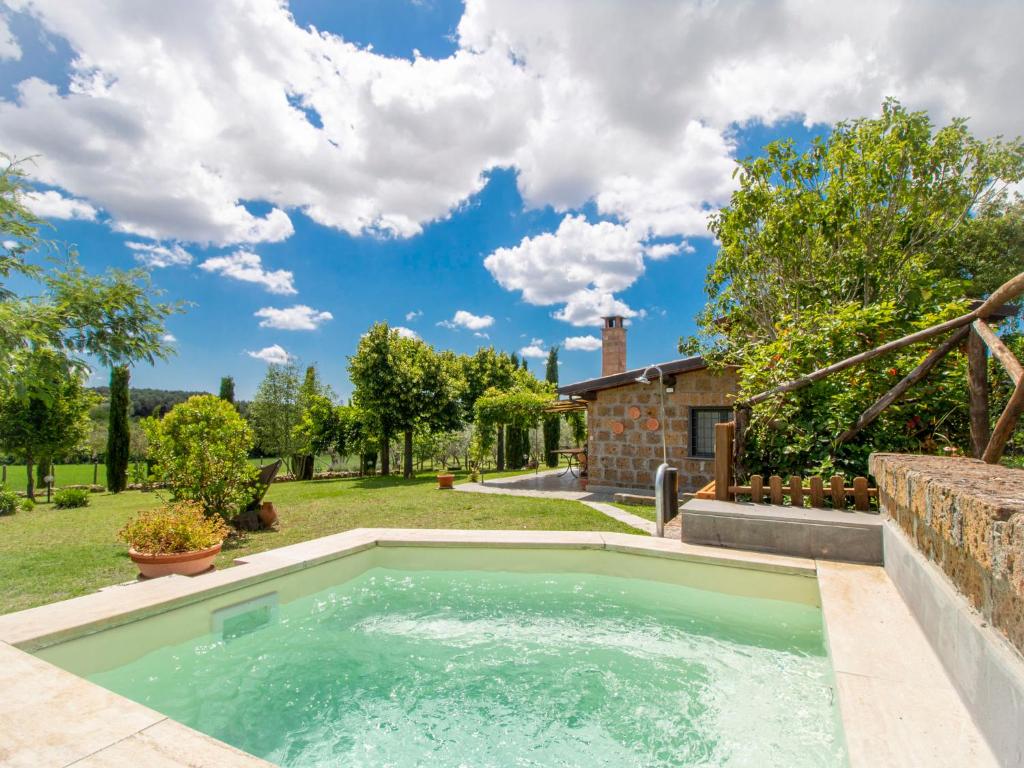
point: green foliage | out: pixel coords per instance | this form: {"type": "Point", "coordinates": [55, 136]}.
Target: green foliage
{"type": "Point", "coordinates": [71, 498]}
{"type": "Point", "coordinates": [830, 252]}
{"type": "Point", "coordinates": [118, 430]}
{"type": "Point", "coordinates": [172, 529]}
{"type": "Point", "coordinates": [227, 389]}
{"type": "Point", "coordinates": [41, 428]}
{"type": "Point", "coordinates": [201, 449]}
{"type": "Point", "coordinates": [577, 421]}
{"type": "Point", "coordinates": [552, 423]}
{"type": "Point", "coordinates": [9, 502]}
{"type": "Point", "coordinates": [990, 247]}
{"type": "Point", "coordinates": [274, 412]}
{"type": "Point", "coordinates": [402, 385]}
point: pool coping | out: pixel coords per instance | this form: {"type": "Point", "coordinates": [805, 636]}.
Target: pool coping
{"type": "Point", "coordinates": [53, 717]}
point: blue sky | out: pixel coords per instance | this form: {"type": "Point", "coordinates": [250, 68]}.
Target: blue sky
{"type": "Point", "coordinates": [472, 175]}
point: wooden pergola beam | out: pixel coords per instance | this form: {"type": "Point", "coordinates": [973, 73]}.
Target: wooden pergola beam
{"type": "Point", "coordinates": [905, 383]}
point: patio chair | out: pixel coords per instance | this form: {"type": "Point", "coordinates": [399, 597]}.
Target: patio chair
{"type": "Point", "coordinates": [249, 519]}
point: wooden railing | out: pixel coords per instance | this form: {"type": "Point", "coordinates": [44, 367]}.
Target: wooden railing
{"type": "Point", "coordinates": [775, 491]}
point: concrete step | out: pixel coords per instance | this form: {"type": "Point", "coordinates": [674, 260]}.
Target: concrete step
{"type": "Point", "coordinates": [828, 534]}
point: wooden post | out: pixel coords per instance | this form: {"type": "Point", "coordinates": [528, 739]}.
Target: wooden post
{"type": "Point", "coordinates": [757, 489]}
{"type": "Point", "coordinates": [860, 494]}
{"type": "Point", "coordinates": [817, 491]}
{"type": "Point", "coordinates": [775, 489]}
{"type": "Point", "coordinates": [723, 460]}
{"type": "Point", "coordinates": [1005, 426]}
{"type": "Point", "coordinates": [977, 385]}
{"type": "Point", "coordinates": [796, 491]}
{"type": "Point", "coordinates": [741, 417]}
{"type": "Point", "coordinates": [837, 485]}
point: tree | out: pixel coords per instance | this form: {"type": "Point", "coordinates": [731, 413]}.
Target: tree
{"type": "Point", "coordinates": [521, 407]}
{"type": "Point", "coordinates": [274, 412]}
{"type": "Point", "coordinates": [201, 451]}
{"type": "Point", "coordinates": [552, 423]}
{"type": "Point", "coordinates": [836, 250]}
{"type": "Point", "coordinates": [315, 400]}
{"type": "Point", "coordinates": [227, 389]}
{"type": "Point", "coordinates": [484, 370]}
{"type": "Point", "coordinates": [401, 385]}
{"type": "Point", "coordinates": [118, 430]}
{"type": "Point", "coordinates": [43, 428]}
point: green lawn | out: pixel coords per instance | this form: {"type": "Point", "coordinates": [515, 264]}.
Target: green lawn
{"type": "Point", "coordinates": [51, 554]}
{"type": "Point", "coordinates": [645, 511]}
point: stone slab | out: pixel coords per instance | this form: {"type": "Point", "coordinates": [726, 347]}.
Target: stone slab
{"type": "Point", "coordinates": [899, 709]}
{"type": "Point", "coordinates": [814, 533]}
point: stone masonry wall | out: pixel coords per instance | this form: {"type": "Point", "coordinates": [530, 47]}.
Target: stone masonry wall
{"type": "Point", "coordinates": [630, 460]}
{"type": "Point", "coordinates": [968, 518]}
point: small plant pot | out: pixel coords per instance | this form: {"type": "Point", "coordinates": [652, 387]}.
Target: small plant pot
{"type": "Point", "coordinates": [180, 563]}
{"type": "Point", "coordinates": [268, 515]}
{"type": "Point", "coordinates": [445, 481]}
{"type": "Point", "coordinates": [583, 483]}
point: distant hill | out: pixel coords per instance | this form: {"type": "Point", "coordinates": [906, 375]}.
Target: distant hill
{"type": "Point", "coordinates": [146, 402]}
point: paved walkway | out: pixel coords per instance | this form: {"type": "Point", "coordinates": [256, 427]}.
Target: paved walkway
{"type": "Point", "coordinates": [551, 484]}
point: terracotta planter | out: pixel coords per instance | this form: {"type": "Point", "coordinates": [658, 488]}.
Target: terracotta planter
{"type": "Point", "coordinates": [445, 481]}
{"type": "Point", "coordinates": [583, 483]}
{"type": "Point", "coordinates": [181, 563]}
{"type": "Point", "coordinates": [267, 513]}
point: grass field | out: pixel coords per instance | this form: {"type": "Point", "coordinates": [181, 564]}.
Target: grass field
{"type": "Point", "coordinates": [50, 554]}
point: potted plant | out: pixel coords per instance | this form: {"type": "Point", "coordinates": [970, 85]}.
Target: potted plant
{"type": "Point", "coordinates": [176, 538]}
{"type": "Point", "coordinates": [445, 480]}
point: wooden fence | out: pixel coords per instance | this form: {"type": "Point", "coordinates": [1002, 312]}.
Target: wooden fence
{"type": "Point", "coordinates": [775, 491]}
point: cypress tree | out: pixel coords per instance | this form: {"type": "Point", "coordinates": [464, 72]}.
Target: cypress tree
{"type": "Point", "coordinates": [227, 389]}
{"type": "Point", "coordinates": [118, 432]}
{"type": "Point", "coordinates": [552, 423]}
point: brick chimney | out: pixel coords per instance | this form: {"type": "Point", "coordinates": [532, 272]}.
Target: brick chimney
{"type": "Point", "coordinates": [613, 346]}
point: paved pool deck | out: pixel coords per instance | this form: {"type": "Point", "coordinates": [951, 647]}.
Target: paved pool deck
{"type": "Point", "coordinates": [897, 705]}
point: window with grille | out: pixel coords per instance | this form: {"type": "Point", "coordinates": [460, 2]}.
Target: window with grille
{"type": "Point", "coordinates": [702, 430]}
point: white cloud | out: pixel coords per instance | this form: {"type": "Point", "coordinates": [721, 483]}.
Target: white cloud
{"type": "Point", "coordinates": [9, 48]}
{"type": "Point", "coordinates": [406, 333]}
{"type": "Point", "coordinates": [248, 267]}
{"type": "Point", "coordinates": [534, 349]}
{"type": "Point", "coordinates": [481, 335]}
{"type": "Point", "coordinates": [154, 255]}
{"type": "Point", "coordinates": [582, 343]}
{"type": "Point", "coordinates": [580, 265]}
{"type": "Point", "coordinates": [297, 318]}
{"type": "Point", "coordinates": [53, 205]}
{"type": "Point", "coordinates": [415, 314]}
{"type": "Point", "coordinates": [658, 251]}
{"type": "Point", "coordinates": [172, 131]}
{"type": "Point", "coordinates": [273, 355]}
{"type": "Point", "coordinates": [169, 338]}
{"type": "Point", "coordinates": [464, 319]}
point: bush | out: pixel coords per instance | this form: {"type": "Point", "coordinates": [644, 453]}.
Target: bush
{"type": "Point", "coordinates": [9, 502]}
{"type": "Point", "coordinates": [27, 505]}
{"type": "Point", "coordinates": [173, 528]}
{"type": "Point", "coordinates": [71, 498]}
{"type": "Point", "coordinates": [200, 449]}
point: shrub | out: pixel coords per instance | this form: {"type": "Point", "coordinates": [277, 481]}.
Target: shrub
{"type": "Point", "coordinates": [9, 501]}
{"type": "Point", "coordinates": [71, 498]}
{"type": "Point", "coordinates": [27, 505]}
{"type": "Point", "coordinates": [176, 527]}
{"type": "Point", "coordinates": [200, 449]}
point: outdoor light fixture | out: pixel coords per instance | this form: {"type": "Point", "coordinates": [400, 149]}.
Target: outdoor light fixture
{"type": "Point", "coordinates": [665, 497]}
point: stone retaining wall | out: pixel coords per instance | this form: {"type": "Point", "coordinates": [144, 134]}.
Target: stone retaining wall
{"type": "Point", "coordinates": [968, 518]}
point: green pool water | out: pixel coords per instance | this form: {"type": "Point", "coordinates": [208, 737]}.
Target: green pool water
{"type": "Point", "coordinates": [397, 667]}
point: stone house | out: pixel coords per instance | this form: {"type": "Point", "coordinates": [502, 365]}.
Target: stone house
{"type": "Point", "coordinates": [624, 445]}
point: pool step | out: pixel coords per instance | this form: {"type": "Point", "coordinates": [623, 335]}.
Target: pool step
{"type": "Point", "coordinates": [826, 534]}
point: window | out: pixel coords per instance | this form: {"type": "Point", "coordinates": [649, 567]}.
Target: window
{"type": "Point", "coordinates": [702, 429]}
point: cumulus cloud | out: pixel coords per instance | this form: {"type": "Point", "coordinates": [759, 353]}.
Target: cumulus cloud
{"type": "Point", "coordinates": [156, 256]}
{"type": "Point", "coordinates": [297, 318]}
{"type": "Point", "coordinates": [464, 319]}
{"type": "Point", "coordinates": [406, 333]}
{"type": "Point", "coordinates": [579, 266]}
{"type": "Point", "coordinates": [481, 335]}
{"type": "Point", "coordinates": [534, 349]}
{"type": "Point", "coordinates": [272, 355]}
{"type": "Point", "coordinates": [168, 338]}
{"type": "Point", "coordinates": [53, 205]}
{"type": "Point", "coordinates": [414, 314]}
{"type": "Point", "coordinates": [582, 343]}
{"type": "Point", "coordinates": [248, 267]}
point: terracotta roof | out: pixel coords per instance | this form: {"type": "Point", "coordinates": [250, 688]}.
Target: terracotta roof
{"type": "Point", "coordinates": [683, 365]}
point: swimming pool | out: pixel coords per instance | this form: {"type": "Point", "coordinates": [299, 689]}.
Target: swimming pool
{"type": "Point", "coordinates": [490, 657]}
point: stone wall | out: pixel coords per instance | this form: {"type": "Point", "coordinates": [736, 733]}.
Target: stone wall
{"type": "Point", "coordinates": [629, 460]}
{"type": "Point", "coordinates": [967, 517]}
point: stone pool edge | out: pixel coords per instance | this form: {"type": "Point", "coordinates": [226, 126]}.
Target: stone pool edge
{"type": "Point", "coordinates": [107, 729]}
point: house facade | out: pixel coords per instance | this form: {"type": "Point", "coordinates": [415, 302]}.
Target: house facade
{"type": "Point", "coordinates": [625, 422]}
